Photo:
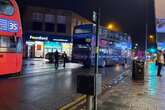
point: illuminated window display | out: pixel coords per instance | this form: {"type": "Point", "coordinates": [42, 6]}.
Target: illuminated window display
{"type": "Point", "coordinates": [39, 45]}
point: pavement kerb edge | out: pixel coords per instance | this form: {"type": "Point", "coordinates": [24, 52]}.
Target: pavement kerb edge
{"type": "Point", "coordinates": [84, 96]}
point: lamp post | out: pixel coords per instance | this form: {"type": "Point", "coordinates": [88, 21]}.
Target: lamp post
{"type": "Point", "coordinates": [146, 27]}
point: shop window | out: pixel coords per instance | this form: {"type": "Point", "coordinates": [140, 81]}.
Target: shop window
{"type": "Point", "coordinates": [49, 27]}
{"type": "Point", "coordinates": [37, 26]}
{"type": "Point", "coordinates": [61, 28]}
{"type": "Point", "coordinates": [39, 47]}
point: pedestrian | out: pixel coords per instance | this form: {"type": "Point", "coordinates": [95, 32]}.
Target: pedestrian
{"type": "Point", "coordinates": [160, 62]}
{"type": "Point", "coordinates": [125, 62]}
{"type": "Point", "coordinates": [56, 57]}
{"type": "Point", "coordinates": [64, 56]}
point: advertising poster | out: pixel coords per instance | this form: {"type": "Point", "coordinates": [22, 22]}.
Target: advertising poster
{"type": "Point", "coordinates": [160, 23]}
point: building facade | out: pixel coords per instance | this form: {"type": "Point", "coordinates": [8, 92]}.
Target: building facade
{"type": "Point", "coordinates": [47, 30]}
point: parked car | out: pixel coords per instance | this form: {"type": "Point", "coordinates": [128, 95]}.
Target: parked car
{"type": "Point", "coordinates": [50, 57]}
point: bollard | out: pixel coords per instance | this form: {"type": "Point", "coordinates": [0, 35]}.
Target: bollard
{"type": "Point", "coordinates": [89, 102]}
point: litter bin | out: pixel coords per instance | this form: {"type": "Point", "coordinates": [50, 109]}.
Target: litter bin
{"type": "Point", "coordinates": [138, 70]}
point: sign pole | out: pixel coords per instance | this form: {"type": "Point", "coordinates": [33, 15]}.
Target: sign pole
{"type": "Point", "coordinates": [96, 55]}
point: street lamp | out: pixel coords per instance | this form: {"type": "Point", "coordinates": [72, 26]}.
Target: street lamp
{"type": "Point", "coordinates": [113, 26]}
{"type": "Point", "coordinates": [146, 26]}
{"type": "Point", "coordinates": [151, 37]}
{"type": "Point", "coordinates": [110, 26]}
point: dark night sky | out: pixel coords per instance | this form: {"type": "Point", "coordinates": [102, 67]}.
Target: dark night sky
{"type": "Point", "coordinates": [130, 14]}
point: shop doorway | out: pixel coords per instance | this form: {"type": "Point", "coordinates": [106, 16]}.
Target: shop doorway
{"type": "Point", "coordinates": [31, 51]}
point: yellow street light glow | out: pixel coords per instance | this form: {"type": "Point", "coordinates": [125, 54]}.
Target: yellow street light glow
{"type": "Point", "coordinates": [110, 26]}
{"type": "Point", "coordinates": [151, 36]}
{"type": "Point", "coordinates": [113, 26]}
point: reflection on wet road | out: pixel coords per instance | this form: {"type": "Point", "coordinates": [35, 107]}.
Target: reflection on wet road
{"type": "Point", "coordinates": [152, 79]}
{"type": "Point", "coordinates": [42, 87]}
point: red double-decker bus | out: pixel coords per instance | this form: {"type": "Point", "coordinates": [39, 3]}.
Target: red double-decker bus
{"type": "Point", "coordinates": [10, 38]}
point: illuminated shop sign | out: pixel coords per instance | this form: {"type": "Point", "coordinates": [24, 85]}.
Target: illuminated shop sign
{"type": "Point", "coordinates": [8, 25]}
{"type": "Point", "coordinates": [60, 40]}
{"type": "Point", "coordinates": [38, 38]}
{"type": "Point", "coordinates": [46, 37]}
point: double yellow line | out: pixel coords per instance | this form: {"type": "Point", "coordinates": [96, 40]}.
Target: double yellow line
{"type": "Point", "coordinates": [75, 104]}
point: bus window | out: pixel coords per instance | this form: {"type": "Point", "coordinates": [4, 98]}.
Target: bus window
{"type": "Point", "coordinates": [82, 31]}
{"type": "Point", "coordinates": [19, 45]}
{"type": "Point", "coordinates": [82, 46]}
{"type": "Point", "coordinates": [8, 44]}
{"type": "Point", "coordinates": [6, 7]}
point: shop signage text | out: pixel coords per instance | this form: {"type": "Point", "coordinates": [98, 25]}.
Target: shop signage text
{"type": "Point", "coordinates": [38, 38]}
{"type": "Point", "coordinates": [43, 37]}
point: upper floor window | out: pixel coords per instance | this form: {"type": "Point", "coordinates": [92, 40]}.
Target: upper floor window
{"type": "Point", "coordinates": [61, 19]}
{"type": "Point", "coordinates": [61, 28]}
{"type": "Point", "coordinates": [6, 7]}
{"type": "Point", "coordinates": [36, 16]}
{"type": "Point", "coordinates": [37, 26]}
{"type": "Point", "coordinates": [49, 27]}
{"type": "Point", "coordinates": [49, 18]}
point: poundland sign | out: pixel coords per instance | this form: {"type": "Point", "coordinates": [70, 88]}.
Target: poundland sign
{"type": "Point", "coordinates": [38, 38]}
{"type": "Point", "coordinates": [44, 37]}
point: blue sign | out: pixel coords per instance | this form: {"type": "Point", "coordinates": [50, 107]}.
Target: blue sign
{"type": "Point", "coordinates": [8, 25]}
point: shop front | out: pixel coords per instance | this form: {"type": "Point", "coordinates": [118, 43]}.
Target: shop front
{"type": "Point", "coordinates": [38, 45]}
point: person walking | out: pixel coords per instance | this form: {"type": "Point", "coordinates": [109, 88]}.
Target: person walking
{"type": "Point", "coordinates": [160, 62]}
{"type": "Point", "coordinates": [56, 56]}
{"type": "Point", "coordinates": [64, 56]}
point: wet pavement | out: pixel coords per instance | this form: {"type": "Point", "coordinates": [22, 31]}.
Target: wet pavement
{"type": "Point", "coordinates": [131, 95]}
{"type": "Point", "coordinates": [41, 87]}
{"type": "Point", "coordinates": [41, 66]}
